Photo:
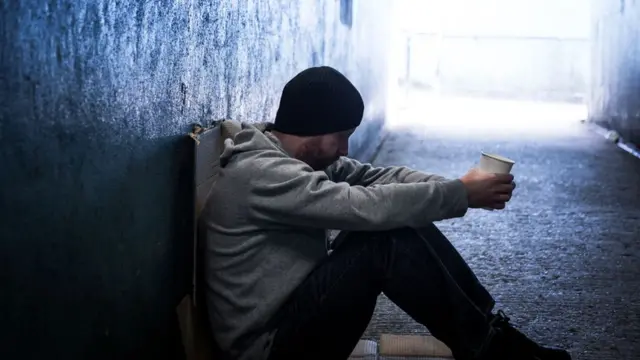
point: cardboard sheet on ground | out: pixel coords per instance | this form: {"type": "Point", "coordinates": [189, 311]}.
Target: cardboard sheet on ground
{"type": "Point", "coordinates": [413, 346]}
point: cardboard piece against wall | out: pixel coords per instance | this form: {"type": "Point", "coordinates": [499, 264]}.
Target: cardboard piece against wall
{"type": "Point", "coordinates": [196, 334]}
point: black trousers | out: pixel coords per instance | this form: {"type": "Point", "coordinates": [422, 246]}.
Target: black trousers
{"type": "Point", "coordinates": [418, 269]}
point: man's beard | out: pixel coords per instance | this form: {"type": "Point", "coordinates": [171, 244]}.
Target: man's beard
{"type": "Point", "coordinates": [313, 155]}
{"type": "Point", "coordinates": [319, 161]}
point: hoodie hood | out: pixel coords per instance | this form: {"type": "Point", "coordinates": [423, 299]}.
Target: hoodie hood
{"type": "Point", "coordinates": [252, 137]}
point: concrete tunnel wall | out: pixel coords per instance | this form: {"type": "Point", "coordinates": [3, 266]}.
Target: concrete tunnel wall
{"type": "Point", "coordinates": [614, 98]}
{"type": "Point", "coordinates": [97, 97]}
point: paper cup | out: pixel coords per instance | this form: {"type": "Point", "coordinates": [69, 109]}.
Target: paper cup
{"type": "Point", "coordinates": [495, 164]}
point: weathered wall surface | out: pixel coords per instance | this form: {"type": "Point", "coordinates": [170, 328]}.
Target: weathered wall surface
{"type": "Point", "coordinates": [614, 99]}
{"type": "Point", "coordinates": [95, 180]}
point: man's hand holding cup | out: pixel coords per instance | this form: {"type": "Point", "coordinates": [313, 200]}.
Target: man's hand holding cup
{"type": "Point", "coordinates": [490, 186]}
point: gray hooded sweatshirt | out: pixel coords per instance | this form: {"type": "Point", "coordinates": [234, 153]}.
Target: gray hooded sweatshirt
{"type": "Point", "coordinates": [266, 221]}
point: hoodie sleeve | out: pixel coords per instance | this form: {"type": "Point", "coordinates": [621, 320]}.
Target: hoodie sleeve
{"type": "Point", "coordinates": [357, 173]}
{"type": "Point", "coordinates": [287, 191]}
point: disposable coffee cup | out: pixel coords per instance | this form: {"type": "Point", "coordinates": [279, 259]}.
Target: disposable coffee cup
{"type": "Point", "coordinates": [495, 164]}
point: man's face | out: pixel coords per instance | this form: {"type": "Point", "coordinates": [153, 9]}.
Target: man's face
{"type": "Point", "coordinates": [321, 151]}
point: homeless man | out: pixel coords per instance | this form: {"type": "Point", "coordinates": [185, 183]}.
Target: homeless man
{"type": "Point", "coordinates": [275, 291]}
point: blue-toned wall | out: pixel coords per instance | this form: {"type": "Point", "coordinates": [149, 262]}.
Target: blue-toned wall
{"type": "Point", "coordinates": [95, 178]}
{"type": "Point", "coordinates": [614, 98]}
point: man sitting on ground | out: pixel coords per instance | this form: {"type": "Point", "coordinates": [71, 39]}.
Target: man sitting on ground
{"type": "Point", "coordinates": [275, 291]}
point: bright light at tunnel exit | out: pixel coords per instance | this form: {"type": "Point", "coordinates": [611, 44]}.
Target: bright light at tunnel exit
{"type": "Point", "coordinates": [514, 66]}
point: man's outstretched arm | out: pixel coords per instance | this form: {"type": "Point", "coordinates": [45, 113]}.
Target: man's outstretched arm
{"type": "Point", "coordinates": [357, 173]}
{"type": "Point", "coordinates": [288, 192]}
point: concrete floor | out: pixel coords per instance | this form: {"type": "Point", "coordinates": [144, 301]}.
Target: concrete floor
{"type": "Point", "coordinates": [563, 260]}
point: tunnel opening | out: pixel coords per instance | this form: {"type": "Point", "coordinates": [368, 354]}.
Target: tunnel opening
{"type": "Point", "coordinates": [517, 78]}
{"type": "Point", "coordinates": [520, 67]}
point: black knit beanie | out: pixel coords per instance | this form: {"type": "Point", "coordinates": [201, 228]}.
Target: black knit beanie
{"type": "Point", "coordinates": [318, 101]}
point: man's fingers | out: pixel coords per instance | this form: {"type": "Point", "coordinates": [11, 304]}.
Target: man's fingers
{"type": "Point", "coordinates": [503, 198]}
{"type": "Point", "coordinates": [504, 189]}
{"type": "Point", "coordinates": [504, 178]}
{"type": "Point", "coordinates": [499, 206]}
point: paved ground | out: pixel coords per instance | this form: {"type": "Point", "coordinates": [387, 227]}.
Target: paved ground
{"type": "Point", "coordinates": [564, 259]}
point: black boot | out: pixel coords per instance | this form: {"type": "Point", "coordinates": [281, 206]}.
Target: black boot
{"type": "Point", "coordinates": [511, 344]}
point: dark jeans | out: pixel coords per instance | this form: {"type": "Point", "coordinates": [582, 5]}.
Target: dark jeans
{"type": "Point", "coordinates": [419, 270]}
